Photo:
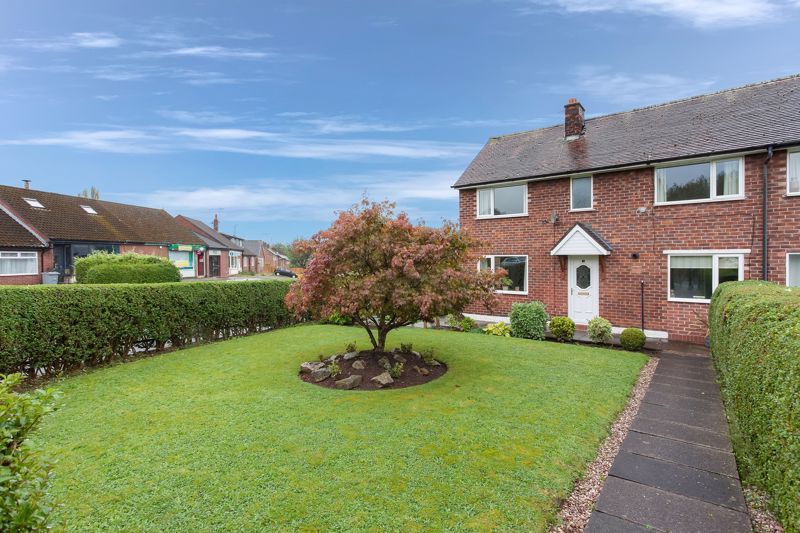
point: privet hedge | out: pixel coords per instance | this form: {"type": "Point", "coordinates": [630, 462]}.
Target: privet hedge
{"type": "Point", "coordinates": [755, 340]}
{"type": "Point", "coordinates": [133, 273]}
{"type": "Point", "coordinates": [50, 329]}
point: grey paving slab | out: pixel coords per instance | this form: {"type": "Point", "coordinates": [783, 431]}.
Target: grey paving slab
{"type": "Point", "coordinates": [706, 374]}
{"type": "Point", "coordinates": [606, 523]}
{"type": "Point", "coordinates": [672, 362]}
{"type": "Point", "coordinates": [680, 479]}
{"type": "Point", "coordinates": [667, 511]}
{"type": "Point", "coordinates": [688, 391]}
{"type": "Point", "coordinates": [682, 432]}
{"type": "Point", "coordinates": [713, 420]}
{"type": "Point", "coordinates": [670, 399]}
{"type": "Point", "coordinates": [701, 386]}
{"type": "Point", "coordinates": [702, 457]}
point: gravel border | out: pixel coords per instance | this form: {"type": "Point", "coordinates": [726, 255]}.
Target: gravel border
{"type": "Point", "coordinates": [576, 510]}
{"type": "Point", "coordinates": [758, 504]}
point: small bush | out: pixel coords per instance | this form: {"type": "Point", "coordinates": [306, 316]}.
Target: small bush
{"type": "Point", "coordinates": [599, 330]}
{"type": "Point", "coordinates": [84, 265]}
{"type": "Point", "coordinates": [528, 320]}
{"type": "Point", "coordinates": [466, 324]}
{"type": "Point", "coordinates": [24, 475]}
{"type": "Point", "coordinates": [396, 371]}
{"type": "Point", "coordinates": [498, 329]}
{"type": "Point", "coordinates": [406, 347]}
{"type": "Point", "coordinates": [460, 322]}
{"type": "Point", "coordinates": [632, 339]}
{"type": "Point", "coordinates": [755, 342]}
{"type": "Point", "coordinates": [562, 328]}
{"type": "Point", "coordinates": [427, 356]}
{"type": "Point", "coordinates": [334, 368]}
{"type": "Point", "coordinates": [164, 272]}
{"type": "Point", "coordinates": [350, 347]}
{"type": "Point", "coordinates": [339, 320]}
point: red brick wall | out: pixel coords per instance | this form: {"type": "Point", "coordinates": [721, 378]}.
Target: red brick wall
{"type": "Point", "coordinates": [712, 225]}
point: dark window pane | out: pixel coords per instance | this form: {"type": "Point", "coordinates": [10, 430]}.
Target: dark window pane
{"type": "Point", "coordinates": [516, 268]}
{"type": "Point", "coordinates": [582, 193]}
{"type": "Point", "coordinates": [728, 269]}
{"type": "Point", "coordinates": [509, 200]}
{"type": "Point", "coordinates": [690, 277]}
{"type": "Point", "coordinates": [583, 276]}
{"type": "Point", "coordinates": [688, 182]}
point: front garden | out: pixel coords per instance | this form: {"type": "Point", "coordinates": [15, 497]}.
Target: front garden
{"type": "Point", "coordinates": [225, 436]}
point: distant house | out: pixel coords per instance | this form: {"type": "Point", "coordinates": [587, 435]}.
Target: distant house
{"type": "Point", "coordinates": [249, 257]}
{"type": "Point", "coordinates": [43, 232]}
{"type": "Point", "coordinates": [278, 260]}
{"type": "Point", "coordinates": [222, 257]}
{"type": "Point", "coordinates": [260, 251]}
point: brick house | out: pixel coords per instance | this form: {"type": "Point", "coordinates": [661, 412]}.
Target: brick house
{"type": "Point", "coordinates": [222, 257]}
{"type": "Point", "coordinates": [67, 227]}
{"type": "Point", "coordinates": [277, 260]}
{"type": "Point", "coordinates": [638, 216]}
{"type": "Point", "coordinates": [260, 251]}
{"type": "Point", "coordinates": [249, 259]}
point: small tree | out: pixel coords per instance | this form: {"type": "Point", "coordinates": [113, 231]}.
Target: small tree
{"type": "Point", "coordinates": [383, 272]}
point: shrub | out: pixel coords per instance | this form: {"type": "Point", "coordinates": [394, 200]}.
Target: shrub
{"type": "Point", "coordinates": [350, 347]}
{"type": "Point", "coordinates": [755, 342]}
{"type": "Point", "coordinates": [499, 329]}
{"type": "Point", "coordinates": [25, 476]}
{"type": "Point", "coordinates": [396, 371]}
{"type": "Point", "coordinates": [562, 328]}
{"type": "Point", "coordinates": [599, 330]}
{"type": "Point", "coordinates": [427, 356]}
{"type": "Point", "coordinates": [55, 328]}
{"type": "Point", "coordinates": [334, 368]}
{"type": "Point", "coordinates": [467, 324]}
{"type": "Point", "coordinates": [528, 320]}
{"type": "Point", "coordinates": [85, 264]}
{"type": "Point", "coordinates": [632, 339]}
{"type": "Point", "coordinates": [339, 320]}
{"type": "Point", "coordinates": [406, 348]}
{"type": "Point", "coordinates": [133, 273]}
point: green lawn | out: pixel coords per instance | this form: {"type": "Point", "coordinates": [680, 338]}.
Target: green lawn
{"type": "Point", "coordinates": [225, 437]}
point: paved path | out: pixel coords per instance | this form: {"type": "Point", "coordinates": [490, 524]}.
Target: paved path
{"type": "Point", "coordinates": [675, 470]}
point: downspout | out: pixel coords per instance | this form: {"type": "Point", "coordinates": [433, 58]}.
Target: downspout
{"type": "Point", "coordinates": [765, 219]}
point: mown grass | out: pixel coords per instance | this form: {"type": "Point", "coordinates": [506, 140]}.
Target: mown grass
{"type": "Point", "coordinates": [225, 437]}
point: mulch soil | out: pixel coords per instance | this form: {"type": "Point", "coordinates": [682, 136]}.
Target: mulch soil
{"type": "Point", "coordinates": [410, 377]}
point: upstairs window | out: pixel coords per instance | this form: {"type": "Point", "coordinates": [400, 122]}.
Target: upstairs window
{"type": "Point", "coordinates": [33, 202]}
{"type": "Point", "coordinates": [793, 173]}
{"type": "Point", "coordinates": [503, 201]}
{"type": "Point", "coordinates": [581, 193]}
{"type": "Point", "coordinates": [722, 179]}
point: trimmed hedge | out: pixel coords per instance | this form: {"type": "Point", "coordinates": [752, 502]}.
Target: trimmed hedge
{"type": "Point", "coordinates": [632, 339]}
{"type": "Point", "coordinates": [755, 341]}
{"type": "Point", "coordinates": [528, 320]}
{"type": "Point", "coordinates": [133, 273]}
{"type": "Point", "coordinates": [127, 264]}
{"type": "Point", "coordinates": [48, 329]}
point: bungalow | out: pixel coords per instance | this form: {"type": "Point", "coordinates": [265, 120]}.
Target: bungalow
{"type": "Point", "coordinates": [277, 260]}
{"type": "Point", "coordinates": [222, 257]}
{"type": "Point", "coordinates": [638, 216]}
{"type": "Point", "coordinates": [249, 261]}
{"type": "Point", "coordinates": [259, 250]}
{"type": "Point", "coordinates": [43, 232]}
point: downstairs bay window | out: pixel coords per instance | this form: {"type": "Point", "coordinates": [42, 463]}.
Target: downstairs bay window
{"type": "Point", "coordinates": [19, 263]}
{"type": "Point", "coordinates": [516, 267]}
{"type": "Point", "coordinates": [694, 276]}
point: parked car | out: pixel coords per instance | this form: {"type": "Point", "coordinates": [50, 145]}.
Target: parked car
{"type": "Point", "coordinates": [284, 272]}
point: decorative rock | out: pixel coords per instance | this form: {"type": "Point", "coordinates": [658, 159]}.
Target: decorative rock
{"type": "Point", "coordinates": [332, 359]}
{"type": "Point", "coordinates": [320, 374]}
{"type": "Point", "coordinates": [414, 352]}
{"type": "Point", "coordinates": [349, 382]}
{"type": "Point", "coordinates": [384, 362]}
{"type": "Point", "coordinates": [310, 366]}
{"type": "Point", "coordinates": [359, 365]}
{"type": "Point", "coordinates": [381, 380]}
{"type": "Point", "coordinates": [433, 362]}
{"type": "Point", "coordinates": [350, 355]}
{"type": "Point", "coordinates": [400, 358]}
{"type": "Point", "coordinates": [424, 371]}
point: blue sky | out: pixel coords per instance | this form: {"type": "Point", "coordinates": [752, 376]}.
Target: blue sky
{"type": "Point", "coordinates": [277, 114]}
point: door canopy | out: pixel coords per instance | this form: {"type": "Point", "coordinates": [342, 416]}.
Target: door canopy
{"type": "Point", "coordinates": [581, 240]}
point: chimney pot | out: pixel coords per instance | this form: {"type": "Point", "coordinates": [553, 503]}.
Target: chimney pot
{"type": "Point", "coordinates": [26, 184]}
{"type": "Point", "coordinates": [216, 222]}
{"type": "Point", "coordinates": [574, 124]}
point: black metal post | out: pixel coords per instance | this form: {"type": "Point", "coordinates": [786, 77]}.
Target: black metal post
{"type": "Point", "coordinates": [641, 285]}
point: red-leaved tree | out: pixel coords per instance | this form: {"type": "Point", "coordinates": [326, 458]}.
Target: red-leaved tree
{"type": "Point", "coordinates": [384, 272]}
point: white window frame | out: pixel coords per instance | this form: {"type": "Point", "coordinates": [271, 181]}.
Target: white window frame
{"type": "Point", "coordinates": [491, 205]}
{"type": "Point", "coordinates": [789, 255]}
{"type": "Point", "coordinates": [527, 265]}
{"type": "Point", "coordinates": [794, 152]}
{"type": "Point", "coordinates": [591, 193]}
{"type": "Point", "coordinates": [715, 256]}
{"type": "Point", "coordinates": [713, 197]}
{"type": "Point", "coordinates": [20, 257]}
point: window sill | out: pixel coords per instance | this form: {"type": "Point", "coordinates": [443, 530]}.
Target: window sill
{"type": "Point", "coordinates": [489, 217]}
{"type": "Point", "coordinates": [583, 210]}
{"type": "Point", "coordinates": [792, 194]}
{"type": "Point", "coordinates": [24, 274]}
{"type": "Point", "coordinates": [518, 293]}
{"type": "Point", "coordinates": [702, 201]}
{"type": "Point", "coordinates": [689, 300]}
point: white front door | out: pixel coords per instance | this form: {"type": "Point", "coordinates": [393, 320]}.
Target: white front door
{"type": "Point", "coordinates": [584, 288]}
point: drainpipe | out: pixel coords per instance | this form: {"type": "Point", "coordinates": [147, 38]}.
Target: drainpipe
{"type": "Point", "coordinates": [765, 219]}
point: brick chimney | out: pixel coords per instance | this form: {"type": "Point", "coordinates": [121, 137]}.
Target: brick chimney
{"type": "Point", "coordinates": [573, 119]}
{"type": "Point", "coordinates": [216, 222]}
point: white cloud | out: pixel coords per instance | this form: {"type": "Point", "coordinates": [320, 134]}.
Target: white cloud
{"type": "Point", "coordinates": [210, 52]}
{"type": "Point", "coordinates": [342, 124]}
{"type": "Point", "coordinates": [96, 40]}
{"type": "Point", "coordinates": [196, 117]}
{"type": "Point", "coordinates": [703, 13]}
{"type": "Point", "coordinates": [114, 141]}
{"type": "Point", "coordinates": [629, 88]}
{"type": "Point", "coordinates": [316, 199]}
{"type": "Point", "coordinates": [100, 39]}
{"type": "Point", "coordinates": [107, 97]}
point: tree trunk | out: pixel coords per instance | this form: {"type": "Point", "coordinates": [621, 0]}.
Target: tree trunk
{"type": "Point", "coordinates": [382, 333]}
